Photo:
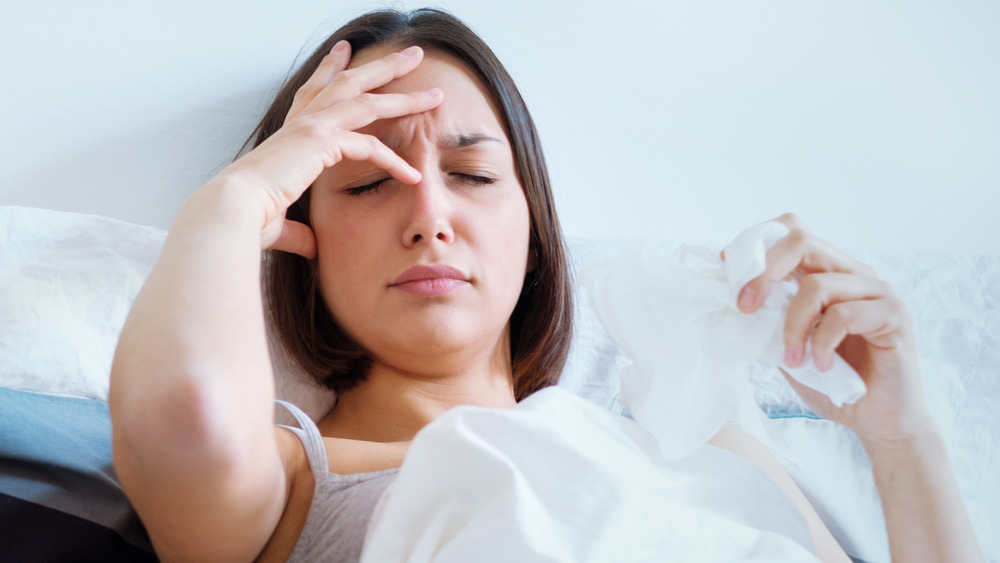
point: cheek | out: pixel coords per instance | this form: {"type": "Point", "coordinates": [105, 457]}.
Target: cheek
{"type": "Point", "coordinates": [344, 247]}
{"type": "Point", "coordinates": [512, 238]}
{"type": "Point", "coordinates": [341, 236]}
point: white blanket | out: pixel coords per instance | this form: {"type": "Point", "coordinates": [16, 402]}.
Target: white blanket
{"type": "Point", "coordinates": [560, 479]}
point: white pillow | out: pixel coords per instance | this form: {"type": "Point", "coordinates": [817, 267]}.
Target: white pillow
{"type": "Point", "coordinates": [66, 284]}
{"type": "Point", "coordinates": [67, 281]}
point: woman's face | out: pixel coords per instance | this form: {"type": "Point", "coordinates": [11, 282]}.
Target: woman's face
{"type": "Point", "coordinates": [426, 276]}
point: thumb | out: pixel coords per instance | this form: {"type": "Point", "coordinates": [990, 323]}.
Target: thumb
{"type": "Point", "coordinates": [818, 402]}
{"type": "Point", "coordinates": [296, 238]}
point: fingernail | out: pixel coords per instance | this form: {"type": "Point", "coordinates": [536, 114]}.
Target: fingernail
{"type": "Point", "coordinates": [410, 51]}
{"type": "Point", "coordinates": [432, 93]}
{"type": "Point", "coordinates": [792, 356]}
{"type": "Point", "coordinates": [824, 364]}
{"type": "Point", "coordinates": [341, 45]}
{"type": "Point", "coordinates": [748, 299]}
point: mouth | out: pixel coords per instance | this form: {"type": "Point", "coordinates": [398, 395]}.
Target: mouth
{"type": "Point", "coordinates": [430, 281]}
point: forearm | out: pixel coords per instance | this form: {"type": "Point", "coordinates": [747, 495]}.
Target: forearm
{"type": "Point", "coordinates": [192, 357]}
{"type": "Point", "coordinates": [924, 514]}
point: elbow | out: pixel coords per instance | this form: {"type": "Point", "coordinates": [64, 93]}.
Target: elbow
{"type": "Point", "coordinates": [176, 417]}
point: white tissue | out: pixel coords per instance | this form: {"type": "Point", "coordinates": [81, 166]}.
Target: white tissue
{"type": "Point", "coordinates": [746, 258]}
{"type": "Point", "coordinates": [673, 312]}
{"type": "Point", "coordinates": [746, 255]}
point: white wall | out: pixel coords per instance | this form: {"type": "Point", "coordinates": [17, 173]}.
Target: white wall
{"type": "Point", "coordinates": [879, 123]}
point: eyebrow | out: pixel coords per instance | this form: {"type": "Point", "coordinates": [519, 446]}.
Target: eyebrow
{"type": "Point", "coordinates": [460, 141]}
{"type": "Point", "coordinates": [468, 140]}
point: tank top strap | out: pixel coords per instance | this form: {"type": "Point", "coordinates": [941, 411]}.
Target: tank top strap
{"type": "Point", "coordinates": [311, 439]}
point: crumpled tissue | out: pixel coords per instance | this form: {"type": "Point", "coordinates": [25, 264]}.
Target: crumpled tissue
{"type": "Point", "coordinates": [673, 311]}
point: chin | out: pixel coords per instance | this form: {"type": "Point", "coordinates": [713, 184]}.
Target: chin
{"type": "Point", "coordinates": [440, 340]}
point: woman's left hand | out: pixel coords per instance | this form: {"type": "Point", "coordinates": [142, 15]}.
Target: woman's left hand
{"type": "Point", "coordinates": [843, 307]}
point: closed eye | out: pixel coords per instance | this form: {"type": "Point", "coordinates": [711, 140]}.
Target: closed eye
{"type": "Point", "coordinates": [367, 188]}
{"type": "Point", "coordinates": [474, 179]}
{"type": "Point", "coordinates": [471, 179]}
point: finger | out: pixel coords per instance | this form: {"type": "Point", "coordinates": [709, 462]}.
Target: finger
{"type": "Point", "coordinates": [818, 402]}
{"type": "Point", "coordinates": [878, 321]}
{"type": "Point", "coordinates": [335, 127]}
{"type": "Point", "coordinates": [816, 293]}
{"type": "Point", "coordinates": [333, 63]}
{"type": "Point", "coordinates": [356, 146]}
{"type": "Point", "coordinates": [331, 130]}
{"type": "Point", "coordinates": [796, 254]}
{"type": "Point", "coordinates": [362, 110]}
{"type": "Point", "coordinates": [325, 135]}
{"type": "Point", "coordinates": [819, 255]}
{"type": "Point", "coordinates": [780, 261]}
{"type": "Point", "coordinates": [353, 82]}
{"type": "Point", "coordinates": [296, 238]}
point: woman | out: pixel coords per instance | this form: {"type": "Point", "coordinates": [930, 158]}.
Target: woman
{"type": "Point", "coordinates": [419, 266]}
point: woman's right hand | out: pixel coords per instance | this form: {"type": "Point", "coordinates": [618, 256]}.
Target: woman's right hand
{"type": "Point", "coordinates": [319, 131]}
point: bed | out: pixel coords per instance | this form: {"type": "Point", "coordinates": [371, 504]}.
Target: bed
{"type": "Point", "coordinates": [67, 280]}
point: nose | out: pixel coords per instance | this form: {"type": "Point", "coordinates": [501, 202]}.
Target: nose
{"type": "Point", "coordinates": [430, 212]}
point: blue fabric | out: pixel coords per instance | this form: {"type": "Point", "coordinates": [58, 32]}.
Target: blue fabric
{"type": "Point", "coordinates": [786, 411]}
{"type": "Point", "coordinates": [28, 421]}
{"type": "Point", "coordinates": [56, 452]}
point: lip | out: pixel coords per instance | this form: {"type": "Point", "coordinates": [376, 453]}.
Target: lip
{"type": "Point", "coordinates": [430, 281]}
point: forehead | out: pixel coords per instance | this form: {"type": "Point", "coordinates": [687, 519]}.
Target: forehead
{"type": "Point", "coordinates": [467, 107]}
{"type": "Point", "coordinates": [435, 65]}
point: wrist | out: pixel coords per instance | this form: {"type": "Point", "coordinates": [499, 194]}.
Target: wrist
{"type": "Point", "coordinates": [924, 513]}
{"type": "Point", "coordinates": [226, 201]}
{"type": "Point", "coordinates": [919, 437]}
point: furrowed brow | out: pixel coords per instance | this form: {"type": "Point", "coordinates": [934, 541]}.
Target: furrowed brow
{"type": "Point", "coordinates": [465, 141]}
{"type": "Point", "coordinates": [461, 141]}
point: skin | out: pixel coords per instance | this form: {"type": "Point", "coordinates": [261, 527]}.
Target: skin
{"type": "Point", "coordinates": [468, 211]}
{"type": "Point", "coordinates": [192, 394]}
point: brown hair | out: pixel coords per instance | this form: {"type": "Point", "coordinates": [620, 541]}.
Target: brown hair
{"type": "Point", "coordinates": [541, 323]}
